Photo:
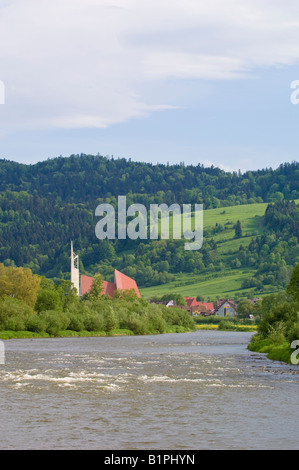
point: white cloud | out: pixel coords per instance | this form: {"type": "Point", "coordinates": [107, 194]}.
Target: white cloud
{"type": "Point", "coordinates": [80, 63]}
{"type": "Point", "coordinates": [186, 66]}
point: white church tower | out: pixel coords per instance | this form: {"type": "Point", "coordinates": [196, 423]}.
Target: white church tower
{"type": "Point", "coordinates": [75, 276]}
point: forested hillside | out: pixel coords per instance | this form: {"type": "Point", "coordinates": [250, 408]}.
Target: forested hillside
{"type": "Point", "coordinates": [44, 206]}
{"type": "Point", "coordinates": [86, 178]}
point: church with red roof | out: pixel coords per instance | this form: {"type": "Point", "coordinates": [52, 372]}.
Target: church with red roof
{"type": "Point", "coordinates": [121, 282]}
{"type": "Point", "coordinates": [83, 283]}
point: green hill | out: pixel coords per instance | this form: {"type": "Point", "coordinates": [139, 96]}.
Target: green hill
{"type": "Point", "coordinates": [221, 282]}
{"type": "Point", "coordinates": [235, 276]}
{"type": "Point", "coordinates": [44, 206]}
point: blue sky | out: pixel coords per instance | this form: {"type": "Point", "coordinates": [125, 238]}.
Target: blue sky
{"type": "Point", "coordinates": [160, 81]}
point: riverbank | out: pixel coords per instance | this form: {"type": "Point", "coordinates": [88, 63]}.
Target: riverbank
{"type": "Point", "coordinates": [214, 322]}
{"type": "Point", "coordinates": [224, 325]}
{"type": "Point", "coordinates": [276, 351]}
{"type": "Point", "coordinates": [9, 334]}
{"type": "Point", "coordinates": [230, 327]}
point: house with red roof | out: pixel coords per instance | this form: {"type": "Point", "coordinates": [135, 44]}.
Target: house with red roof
{"type": "Point", "coordinates": [191, 301]}
{"type": "Point", "coordinates": [199, 308]}
{"type": "Point", "coordinates": [121, 282]}
{"type": "Point", "coordinates": [206, 307]}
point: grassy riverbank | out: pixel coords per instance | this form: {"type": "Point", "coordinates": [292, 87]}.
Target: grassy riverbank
{"type": "Point", "coordinates": [278, 331]}
{"type": "Point", "coordinates": [232, 327]}
{"type": "Point", "coordinates": [224, 324]}
{"type": "Point", "coordinates": [219, 324]}
{"type": "Point", "coordinates": [276, 351]}
{"type": "Point", "coordinates": [22, 334]}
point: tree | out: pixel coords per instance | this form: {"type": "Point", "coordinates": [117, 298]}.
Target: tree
{"type": "Point", "coordinates": [96, 288]}
{"type": "Point", "coordinates": [200, 298]}
{"type": "Point", "coordinates": [178, 298]}
{"type": "Point", "coordinates": [68, 294]}
{"type": "Point", "coordinates": [238, 230]}
{"type": "Point", "coordinates": [14, 314]}
{"type": "Point", "coordinates": [48, 299]}
{"type": "Point", "coordinates": [19, 283]}
{"type": "Point", "coordinates": [110, 319]}
{"type": "Point", "coordinates": [245, 307]}
{"type": "Point", "coordinates": [293, 286]}
{"type": "Point", "coordinates": [125, 294]}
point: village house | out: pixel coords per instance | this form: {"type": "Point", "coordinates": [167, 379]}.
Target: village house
{"type": "Point", "coordinates": [191, 301]}
{"type": "Point", "coordinates": [199, 308]}
{"type": "Point", "coordinates": [226, 308]}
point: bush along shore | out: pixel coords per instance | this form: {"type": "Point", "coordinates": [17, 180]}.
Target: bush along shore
{"type": "Point", "coordinates": [31, 306]}
{"type": "Point", "coordinates": [34, 306]}
{"type": "Point", "coordinates": [278, 331]}
{"type": "Point", "coordinates": [102, 317]}
{"type": "Point", "coordinates": [38, 307]}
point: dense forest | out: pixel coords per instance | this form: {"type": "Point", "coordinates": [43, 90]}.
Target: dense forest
{"type": "Point", "coordinates": [86, 178]}
{"type": "Point", "coordinates": [44, 206]}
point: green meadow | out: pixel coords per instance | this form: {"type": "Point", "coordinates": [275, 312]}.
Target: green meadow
{"type": "Point", "coordinates": [250, 216]}
{"type": "Point", "coordinates": [220, 283]}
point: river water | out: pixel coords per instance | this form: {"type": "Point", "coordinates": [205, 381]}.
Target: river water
{"type": "Point", "coordinates": [201, 390]}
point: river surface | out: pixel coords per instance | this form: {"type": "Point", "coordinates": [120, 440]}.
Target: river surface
{"type": "Point", "coordinates": [201, 390]}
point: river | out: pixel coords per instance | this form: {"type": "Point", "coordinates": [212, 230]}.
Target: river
{"type": "Point", "coordinates": [201, 390]}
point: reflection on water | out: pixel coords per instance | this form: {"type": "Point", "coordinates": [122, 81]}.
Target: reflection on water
{"type": "Point", "coordinates": [201, 390]}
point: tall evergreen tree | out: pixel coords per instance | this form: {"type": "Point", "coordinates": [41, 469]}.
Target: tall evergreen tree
{"type": "Point", "coordinates": [96, 288]}
{"type": "Point", "coordinates": [238, 230]}
{"type": "Point", "coordinates": [293, 287]}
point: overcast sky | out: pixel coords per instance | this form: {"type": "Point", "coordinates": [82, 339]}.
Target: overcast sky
{"type": "Point", "coordinates": [157, 81]}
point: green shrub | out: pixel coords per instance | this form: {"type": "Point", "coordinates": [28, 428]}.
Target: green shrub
{"type": "Point", "coordinates": [177, 316]}
{"type": "Point", "coordinates": [156, 323]}
{"type": "Point", "coordinates": [94, 321]}
{"type": "Point", "coordinates": [36, 324]}
{"type": "Point", "coordinates": [15, 323]}
{"type": "Point", "coordinates": [54, 321]}
{"type": "Point", "coordinates": [293, 332]}
{"type": "Point", "coordinates": [135, 324]}
{"type": "Point", "coordinates": [226, 325]}
{"type": "Point", "coordinates": [14, 314]}
{"type": "Point", "coordinates": [276, 333]}
{"type": "Point", "coordinates": [110, 319]}
{"type": "Point", "coordinates": [48, 299]}
{"type": "Point", "coordinates": [76, 321]}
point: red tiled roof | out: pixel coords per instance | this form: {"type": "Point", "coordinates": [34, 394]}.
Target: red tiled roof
{"type": "Point", "coordinates": [208, 305]}
{"type": "Point", "coordinates": [124, 282]}
{"type": "Point", "coordinates": [108, 288]}
{"type": "Point", "coordinates": [191, 301]}
{"type": "Point", "coordinates": [86, 283]}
